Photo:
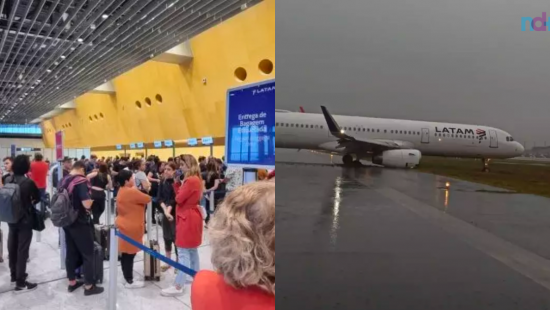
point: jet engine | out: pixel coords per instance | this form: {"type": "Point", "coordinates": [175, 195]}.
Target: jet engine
{"type": "Point", "coordinates": [398, 158]}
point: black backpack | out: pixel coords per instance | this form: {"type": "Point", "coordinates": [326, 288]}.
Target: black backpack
{"type": "Point", "coordinates": [63, 212]}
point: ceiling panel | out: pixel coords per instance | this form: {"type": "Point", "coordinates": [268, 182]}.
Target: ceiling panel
{"type": "Point", "coordinates": [52, 51]}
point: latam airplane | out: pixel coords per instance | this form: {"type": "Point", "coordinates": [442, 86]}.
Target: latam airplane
{"type": "Point", "coordinates": [390, 142]}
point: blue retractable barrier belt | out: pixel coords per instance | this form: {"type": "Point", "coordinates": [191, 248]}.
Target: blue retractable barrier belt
{"type": "Point", "coordinates": [156, 254]}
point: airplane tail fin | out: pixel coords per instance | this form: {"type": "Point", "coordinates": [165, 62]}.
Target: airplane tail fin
{"type": "Point", "coordinates": [302, 109]}
{"type": "Point", "coordinates": [333, 127]}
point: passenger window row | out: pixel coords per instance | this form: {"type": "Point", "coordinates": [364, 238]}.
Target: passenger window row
{"type": "Point", "coordinates": [299, 125]}
{"type": "Point", "coordinates": [448, 135]}
{"type": "Point", "coordinates": [356, 129]}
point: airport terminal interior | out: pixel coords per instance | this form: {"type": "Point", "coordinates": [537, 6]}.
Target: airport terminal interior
{"type": "Point", "coordinates": [141, 81]}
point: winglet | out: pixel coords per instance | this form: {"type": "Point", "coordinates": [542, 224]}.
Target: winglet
{"type": "Point", "coordinates": [331, 123]}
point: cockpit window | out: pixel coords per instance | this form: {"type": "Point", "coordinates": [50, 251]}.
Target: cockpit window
{"type": "Point", "coordinates": [509, 139]}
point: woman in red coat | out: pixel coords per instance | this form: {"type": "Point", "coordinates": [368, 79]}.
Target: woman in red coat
{"type": "Point", "coordinates": [189, 223]}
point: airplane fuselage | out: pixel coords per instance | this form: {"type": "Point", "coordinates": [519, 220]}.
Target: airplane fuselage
{"type": "Point", "coordinates": [309, 131]}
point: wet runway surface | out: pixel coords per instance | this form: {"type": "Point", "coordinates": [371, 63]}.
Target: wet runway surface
{"type": "Point", "coordinates": [373, 238]}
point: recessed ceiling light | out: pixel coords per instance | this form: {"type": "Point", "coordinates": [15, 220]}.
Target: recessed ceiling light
{"type": "Point", "coordinates": [48, 70]}
{"type": "Point", "coordinates": [62, 56]}
{"type": "Point", "coordinates": [80, 40]}
{"type": "Point", "coordinates": [104, 16]}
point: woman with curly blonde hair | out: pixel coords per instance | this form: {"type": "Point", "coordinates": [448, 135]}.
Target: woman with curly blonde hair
{"type": "Point", "coordinates": [242, 237]}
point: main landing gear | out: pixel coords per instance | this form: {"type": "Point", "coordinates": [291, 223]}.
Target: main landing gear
{"type": "Point", "coordinates": [485, 163]}
{"type": "Point", "coordinates": [347, 160]}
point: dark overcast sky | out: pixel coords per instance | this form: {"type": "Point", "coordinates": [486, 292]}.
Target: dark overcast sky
{"type": "Point", "coordinates": [443, 60]}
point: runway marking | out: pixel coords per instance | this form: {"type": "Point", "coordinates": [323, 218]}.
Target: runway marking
{"type": "Point", "coordinates": [525, 262]}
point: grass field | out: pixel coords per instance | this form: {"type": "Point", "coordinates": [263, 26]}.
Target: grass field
{"type": "Point", "coordinates": [522, 176]}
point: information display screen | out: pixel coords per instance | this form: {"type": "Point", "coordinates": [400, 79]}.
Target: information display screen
{"type": "Point", "coordinates": [168, 143]}
{"type": "Point", "coordinates": [250, 126]}
{"type": "Point", "coordinates": [132, 145]}
{"type": "Point", "coordinates": [140, 145]}
{"type": "Point", "coordinates": [192, 141]}
{"type": "Point", "coordinates": [158, 143]}
{"type": "Point", "coordinates": [119, 147]}
{"type": "Point", "coordinates": [207, 140]}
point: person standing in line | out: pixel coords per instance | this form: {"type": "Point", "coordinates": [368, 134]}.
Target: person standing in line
{"type": "Point", "coordinates": [8, 162]}
{"type": "Point", "coordinates": [39, 174]}
{"type": "Point", "coordinates": [91, 164]}
{"type": "Point", "coordinates": [141, 181]}
{"type": "Point", "coordinates": [211, 182]}
{"type": "Point", "coordinates": [101, 181]}
{"type": "Point", "coordinates": [130, 207]}
{"type": "Point", "coordinates": [167, 201]}
{"type": "Point", "coordinates": [79, 235]}
{"type": "Point", "coordinates": [20, 233]}
{"type": "Point", "coordinates": [202, 163]}
{"type": "Point", "coordinates": [154, 179]}
{"type": "Point", "coordinates": [189, 224]}
{"type": "Point", "coordinates": [67, 166]}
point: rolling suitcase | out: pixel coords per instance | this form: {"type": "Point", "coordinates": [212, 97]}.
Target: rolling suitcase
{"type": "Point", "coordinates": [151, 268]}
{"type": "Point", "coordinates": [97, 264]}
{"type": "Point", "coordinates": [102, 237]}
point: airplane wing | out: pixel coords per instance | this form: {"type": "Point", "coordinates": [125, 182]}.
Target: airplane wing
{"type": "Point", "coordinates": [350, 142]}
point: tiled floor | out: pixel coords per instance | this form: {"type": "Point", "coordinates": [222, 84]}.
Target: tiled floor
{"type": "Point", "coordinates": [44, 268]}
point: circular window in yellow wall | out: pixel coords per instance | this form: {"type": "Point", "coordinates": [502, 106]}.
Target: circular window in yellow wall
{"type": "Point", "coordinates": [101, 115]}
{"type": "Point", "coordinates": [138, 104]}
{"type": "Point", "coordinates": [158, 97]}
{"type": "Point", "coordinates": [91, 119]}
{"type": "Point", "coordinates": [95, 116]}
{"type": "Point", "coordinates": [240, 74]}
{"type": "Point", "coordinates": [266, 66]}
{"type": "Point", "coordinates": [148, 101]}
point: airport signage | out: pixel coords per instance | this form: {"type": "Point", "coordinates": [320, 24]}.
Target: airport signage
{"type": "Point", "coordinates": [158, 143]}
{"type": "Point", "coordinates": [250, 126]}
{"type": "Point", "coordinates": [132, 145]}
{"type": "Point", "coordinates": [59, 145]}
{"type": "Point", "coordinates": [139, 145]}
{"type": "Point", "coordinates": [28, 149]}
{"type": "Point", "coordinates": [535, 24]}
{"type": "Point", "coordinates": [168, 143]}
{"type": "Point", "coordinates": [207, 140]}
{"type": "Point", "coordinates": [119, 147]}
{"type": "Point", "coordinates": [192, 141]}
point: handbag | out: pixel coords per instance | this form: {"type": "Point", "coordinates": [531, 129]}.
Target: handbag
{"type": "Point", "coordinates": [37, 220]}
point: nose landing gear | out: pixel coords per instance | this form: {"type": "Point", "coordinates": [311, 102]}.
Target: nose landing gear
{"type": "Point", "coordinates": [485, 163]}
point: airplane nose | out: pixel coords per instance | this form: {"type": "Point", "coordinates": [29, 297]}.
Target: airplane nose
{"type": "Point", "coordinates": [520, 149]}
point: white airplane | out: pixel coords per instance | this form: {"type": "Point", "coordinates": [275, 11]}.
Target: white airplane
{"type": "Point", "coordinates": [390, 142]}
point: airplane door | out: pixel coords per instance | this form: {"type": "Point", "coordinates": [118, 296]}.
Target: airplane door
{"type": "Point", "coordinates": [493, 139]}
{"type": "Point", "coordinates": [425, 135]}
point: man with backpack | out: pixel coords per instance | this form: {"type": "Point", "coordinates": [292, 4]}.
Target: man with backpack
{"type": "Point", "coordinates": [18, 196]}
{"type": "Point", "coordinates": [77, 224]}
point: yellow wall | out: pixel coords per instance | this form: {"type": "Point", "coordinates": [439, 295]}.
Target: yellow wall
{"type": "Point", "coordinates": [189, 108]}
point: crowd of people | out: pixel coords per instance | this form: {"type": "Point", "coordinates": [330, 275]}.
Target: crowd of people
{"type": "Point", "coordinates": [190, 194]}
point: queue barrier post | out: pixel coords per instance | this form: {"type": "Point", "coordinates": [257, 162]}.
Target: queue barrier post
{"type": "Point", "coordinates": [62, 248]}
{"type": "Point", "coordinates": [113, 261]}
{"type": "Point", "coordinates": [212, 202]}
